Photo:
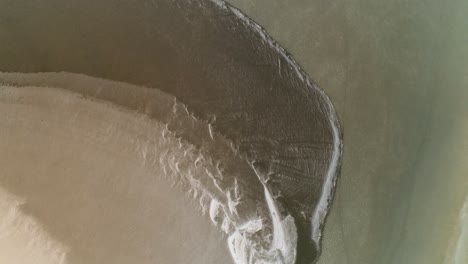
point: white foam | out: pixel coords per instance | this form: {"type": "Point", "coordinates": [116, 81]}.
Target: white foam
{"type": "Point", "coordinates": [284, 232]}
{"type": "Point", "coordinates": [282, 249]}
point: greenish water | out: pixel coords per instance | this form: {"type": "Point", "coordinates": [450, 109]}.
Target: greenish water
{"type": "Point", "coordinates": [397, 73]}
